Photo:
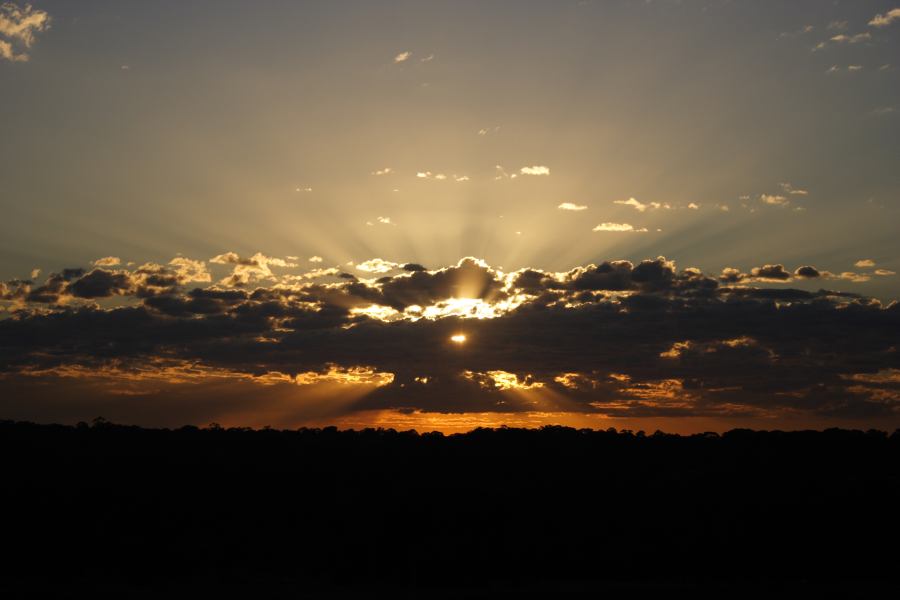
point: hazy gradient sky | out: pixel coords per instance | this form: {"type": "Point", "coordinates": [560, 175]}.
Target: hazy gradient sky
{"type": "Point", "coordinates": [541, 134]}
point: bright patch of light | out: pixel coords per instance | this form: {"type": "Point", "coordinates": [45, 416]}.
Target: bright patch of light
{"type": "Point", "coordinates": [459, 338]}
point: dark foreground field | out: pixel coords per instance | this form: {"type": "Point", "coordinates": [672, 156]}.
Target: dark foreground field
{"type": "Point", "coordinates": [555, 512]}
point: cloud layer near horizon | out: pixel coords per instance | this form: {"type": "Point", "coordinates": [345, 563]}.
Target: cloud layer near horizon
{"type": "Point", "coordinates": [614, 339]}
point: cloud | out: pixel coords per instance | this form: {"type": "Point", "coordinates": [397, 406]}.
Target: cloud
{"type": "Point", "coordinates": [849, 68]}
{"type": "Point", "coordinates": [883, 20]}
{"type": "Point", "coordinates": [571, 206]}
{"type": "Point", "coordinates": [641, 207]}
{"type": "Point", "coordinates": [249, 270]}
{"type": "Point", "coordinates": [428, 58]}
{"type": "Point", "coordinates": [864, 263]}
{"type": "Point", "coordinates": [774, 199]}
{"type": "Point", "coordinates": [618, 227]}
{"type": "Point", "coordinates": [377, 265]}
{"type": "Point", "coordinates": [384, 171]}
{"type": "Point", "coordinates": [884, 272]}
{"type": "Point", "coordinates": [851, 39]}
{"type": "Point", "coordinates": [789, 189]}
{"type": "Point", "coordinates": [315, 259]}
{"type": "Point", "coordinates": [535, 170]}
{"type": "Point", "coordinates": [402, 57]}
{"type": "Point", "coordinates": [107, 261]}
{"type": "Point", "coordinates": [18, 26]}
{"type": "Point", "coordinates": [614, 339]}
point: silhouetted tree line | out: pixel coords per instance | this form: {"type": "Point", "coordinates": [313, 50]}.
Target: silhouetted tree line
{"type": "Point", "coordinates": [488, 513]}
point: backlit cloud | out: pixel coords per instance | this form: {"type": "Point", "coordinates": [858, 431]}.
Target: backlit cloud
{"type": "Point", "coordinates": [107, 261]}
{"type": "Point", "coordinates": [641, 207]}
{"type": "Point", "coordinates": [851, 39]}
{"type": "Point", "coordinates": [883, 20]}
{"type": "Point", "coordinates": [613, 339]}
{"type": "Point", "coordinates": [377, 265]}
{"type": "Point", "coordinates": [535, 170]}
{"type": "Point", "coordinates": [618, 227]}
{"type": "Point", "coordinates": [402, 57]}
{"type": "Point", "coordinates": [571, 206]}
{"type": "Point", "coordinates": [18, 26]}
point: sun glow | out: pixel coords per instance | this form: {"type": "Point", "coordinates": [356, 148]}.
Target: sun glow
{"type": "Point", "coordinates": [459, 338]}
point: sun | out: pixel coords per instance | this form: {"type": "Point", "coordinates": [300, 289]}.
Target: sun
{"type": "Point", "coordinates": [459, 338]}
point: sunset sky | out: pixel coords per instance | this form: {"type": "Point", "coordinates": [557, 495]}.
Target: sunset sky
{"type": "Point", "coordinates": [437, 215]}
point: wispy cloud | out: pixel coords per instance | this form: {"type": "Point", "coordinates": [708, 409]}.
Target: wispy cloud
{"type": "Point", "coordinates": [641, 207]}
{"type": "Point", "coordinates": [571, 206]}
{"type": "Point", "coordinates": [774, 199]}
{"type": "Point", "coordinates": [788, 188]}
{"type": "Point", "coordinates": [535, 170]}
{"type": "Point", "coordinates": [426, 59]}
{"type": "Point", "coordinates": [18, 26]}
{"type": "Point", "coordinates": [619, 227]}
{"type": "Point", "coordinates": [377, 265]}
{"type": "Point", "coordinates": [402, 57]}
{"type": "Point", "coordinates": [315, 259]}
{"type": "Point", "coordinates": [851, 39]}
{"type": "Point", "coordinates": [107, 261]}
{"type": "Point", "coordinates": [384, 171]}
{"type": "Point", "coordinates": [883, 20]}
{"type": "Point", "coordinates": [864, 263]}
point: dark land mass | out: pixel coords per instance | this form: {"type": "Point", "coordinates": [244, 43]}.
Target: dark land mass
{"type": "Point", "coordinates": [555, 512]}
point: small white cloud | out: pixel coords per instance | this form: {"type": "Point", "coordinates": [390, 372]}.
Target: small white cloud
{"type": "Point", "coordinates": [694, 206]}
{"type": "Point", "coordinates": [885, 19]}
{"type": "Point", "coordinates": [641, 207]}
{"type": "Point", "coordinates": [125, 67]}
{"type": "Point", "coordinates": [618, 227]}
{"type": "Point", "coordinates": [303, 189]}
{"type": "Point", "coordinates": [315, 259]}
{"type": "Point", "coordinates": [884, 272]}
{"type": "Point", "coordinates": [107, 261]}
{"type": "Point", "coordinates": [384, 171]}
{"type": "Point", "coordinates": [426, 59]}
{"type": "Point", "coordinates": [853, 68]}
{"type": "Point", "coordinates": [884, 67]}
{"type": "Point", "coordinates": [460, 178]}
{"type": "Point", "coordinates": [440, 176]}
{"type": "Point", "coordinates": [535, 170]}
{"type": "Point", "coordinates": [402, 57]}
{"type": "Point", "coordinates": [864, 263]}
{"type": "Point", "coordinates": [385, 220]}
{"type": "Point", "coordinates": [883, 111]}
{"type": "Point", "coordinates": [773, 199]}
{"type": "Point", "coordinates": [571, 206]}
{"type": "Point", "coordinates": [377, 265]}
{"type": "Point", "coordinates": [489, 130]}
{"type": "Point", "coordinates": [35, 273]}
{"type": "Point", "coordinates": [838, 25]}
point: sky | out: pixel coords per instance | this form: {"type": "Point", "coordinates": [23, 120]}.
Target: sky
{"type": "Point", "coordinates": [642, 214]}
